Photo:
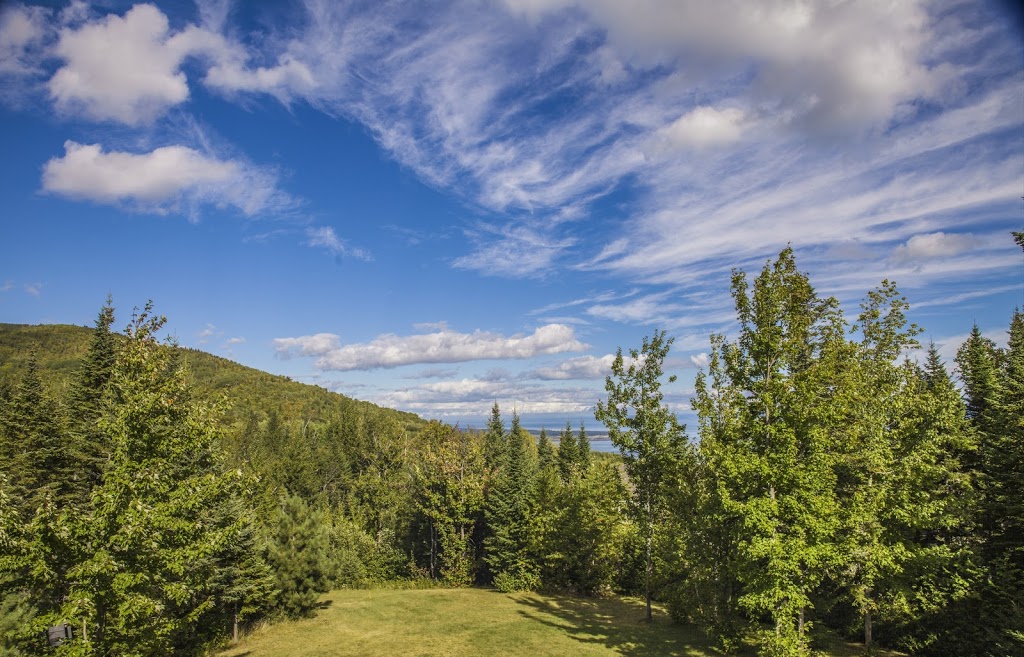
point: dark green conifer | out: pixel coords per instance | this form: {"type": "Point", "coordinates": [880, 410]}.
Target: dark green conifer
{"type": "Point", "coordinates": [35, 453]}
{"type": "Point", "coordinates": [508, 519]}
{"type": "Point", "coordinates": [297, 544]}
{"type": "Point", "coordinates": [545, 452]}
{"type": "Point", "coordinates": [583, 449]}
{"type": "Point", "coordinates": [494, 440]}
{"type": "Point", "coordinates": [568, 453]}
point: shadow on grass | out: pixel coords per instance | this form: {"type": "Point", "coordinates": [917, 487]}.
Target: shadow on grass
{"type": "Point", "coordinates": [617, 624]}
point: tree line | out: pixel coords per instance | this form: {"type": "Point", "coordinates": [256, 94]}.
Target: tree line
{"type": "Point", "coordinates": [833, 486]}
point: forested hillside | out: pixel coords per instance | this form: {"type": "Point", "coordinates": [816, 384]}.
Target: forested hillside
{"type": "Point", "coordinates": [59, 348]}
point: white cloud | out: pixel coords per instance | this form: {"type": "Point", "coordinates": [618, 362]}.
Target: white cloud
{"type": "Point", "coordinates": [7, 286]}
{"type": "Point", "coordinates": [208, 331]}
{"type": "Point", "coordinates": [161, 180]}
{"type": "Point", "coordinates": [583, 367]}
{"type": "Point", "coordinates": [21, 31]}
{"type": "Point", "coordinates": [86, 171]}
{"type": "Point", "coordinates": [444, 346]}
{"type": "Point", "coordinates": [649, 309]}
{"type": "Point", "coordinates": [513, 251]}
{"type": "Point", "coordinates": [129, 68]}
{"type": "Point", "coordinates": [467, 398]}
{"type": "Point", "coordinates": [828, 65]}
{"type": "Point", "coordinates": [235, 340]}
{"type": "Point", "coordinates": [934, 245]}
{"type": "Point", "coordinates": [33, 289]}
{"type": "Point", "coordinates": [434, 373]}
{"type": "Point", "coordinates": [700, 360]}
{"type": "Point", "coordinates": [325, 237]}
{"type": "Point", "coordinates": [289, 77]}
{"type": "Point", "coordinates": [120, 68]}
{"type": "Point", "coordinates": [706, 126]}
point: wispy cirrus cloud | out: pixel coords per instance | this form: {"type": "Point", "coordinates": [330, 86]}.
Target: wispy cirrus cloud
{"type": "Point", "coordinates": [443, 346]}
{"type": "Point", "coordinates": [22, 31]}
{"type": "Point", "coordinates": [740, 130]}
{"type": "Point", "coordinates": [325, 237]}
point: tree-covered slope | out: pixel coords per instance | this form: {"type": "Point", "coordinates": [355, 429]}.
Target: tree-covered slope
{"type": "Point", "coordinates": [59, 349]}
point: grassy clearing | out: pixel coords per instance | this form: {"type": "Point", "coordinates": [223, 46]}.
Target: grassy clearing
{"type": "Point", "coordinates": [474, 622]}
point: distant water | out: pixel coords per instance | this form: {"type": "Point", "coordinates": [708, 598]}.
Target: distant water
{"type": "Point", "coordinates": [599, 442]}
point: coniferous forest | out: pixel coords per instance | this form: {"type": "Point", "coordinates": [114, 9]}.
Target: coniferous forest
{"type": "Point", "coordinates": [841, 480]}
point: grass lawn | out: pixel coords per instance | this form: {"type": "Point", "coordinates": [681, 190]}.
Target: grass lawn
{"type": "Point", "coordinates": [474, 623]}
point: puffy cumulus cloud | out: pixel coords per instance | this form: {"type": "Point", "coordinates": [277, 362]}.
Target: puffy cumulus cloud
{"type": "Point", "coordinates": [700, 360]}
{"type": "Point", "coordinates": [325, 237]}
{"type": "Point", "coordinates": [289, 77]}
{"type": "Point", "coordinates": [307, 345]}
{"type": "Point", "coordinates": [583, 367]}
{"type": "Point", "coordinates": [122, 68]}
{"type": "Point", "coordinates": [445, 346]}
{"type": "Point", "coordinates": [160, 180]}
{"type": "Point", "coordinates": [934, 245]}
{"type": "Point", "coordinates": [128, 68]}
{"type": "Point", "coordinates": [86, 171]}
{"type": "Point", "coordinates": [22, 30]}
{"type": "Point", "coordinates": [706, 126]}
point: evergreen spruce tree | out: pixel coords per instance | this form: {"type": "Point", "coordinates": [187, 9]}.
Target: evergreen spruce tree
{"type": "Point", "coordinates": [494, 440]}
{"type": "Point", "coordinates": [1003, 500]}
{"type": "Point", "coordinates": [35, 453]}
{"type": "Point", "coordinates": [931, 517]}
{"type": "Point", "coordinates": [978, 362]}
{"type": "Point", "coordinates": [546, 512]}
{"type": "Point", "coordinates": [297, 543]}
{"type": "Point", "coordinates": [882, 394]}
{"type": "Point", "coordinates": [508, 519]}
{"type": "Point", "coordinates": [568, 454]}
{"type": "Point", "coordinates": [546, 456]}
{"type": "Point", "coordinates": [86, 403]}
{"type": "Point", "coordinates": [160, 520]}
{"type": "Point", "coordinates": [583, 450]}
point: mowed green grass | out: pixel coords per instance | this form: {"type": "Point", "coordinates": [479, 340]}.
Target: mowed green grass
{"type": "Point", "coordinates": [472, 623]}
{"type": "Point", "coordinates": [479, 623]}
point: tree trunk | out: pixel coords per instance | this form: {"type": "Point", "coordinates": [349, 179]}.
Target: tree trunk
{"type": "Point", "coordinates": [650, 571]}
{"type": "Point", "coordinates": [800, 623]}
{"type": "Point", "coordinates": [867, 630]}
{"type": "Point", "coordinates": [433, 551]}
{"type": "Point", "coordinates": [234, 628]}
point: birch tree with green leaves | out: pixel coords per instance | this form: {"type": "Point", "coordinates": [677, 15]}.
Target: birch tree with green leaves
{"type": "Point", "coordinates": [766, 429]}
{"type": "Point", "coordinates": [650, 438]}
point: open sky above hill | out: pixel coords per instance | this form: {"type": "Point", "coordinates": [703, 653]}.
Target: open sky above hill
{"type": "Point", "coordinates": [435, 206]}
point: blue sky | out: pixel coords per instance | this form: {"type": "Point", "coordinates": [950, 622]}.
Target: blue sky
{"type": "Point", "coordinates": [435, 206]}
